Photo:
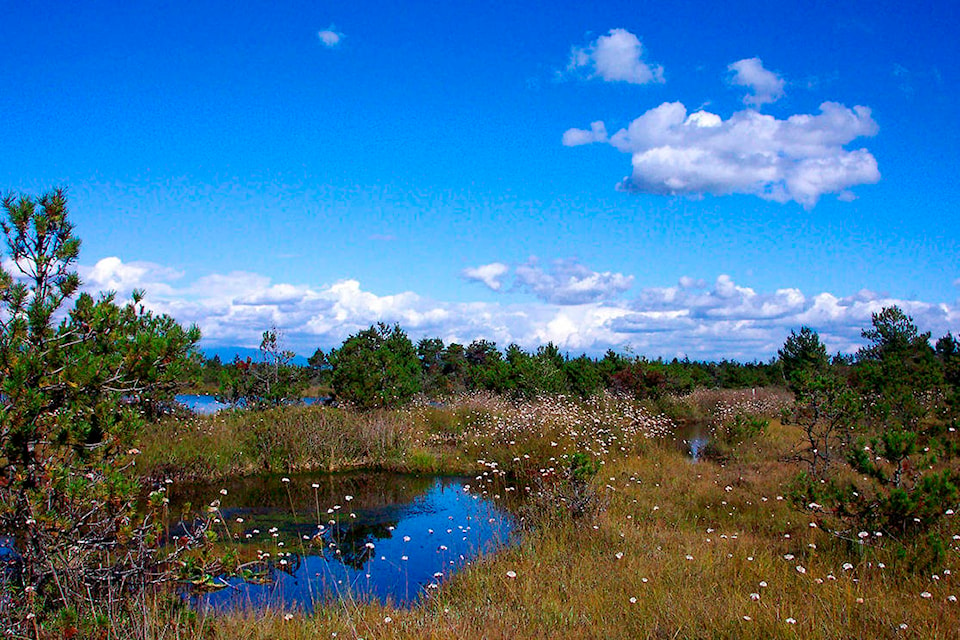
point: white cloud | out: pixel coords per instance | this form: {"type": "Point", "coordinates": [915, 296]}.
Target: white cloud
{"type": "Point", "coordinates": [578, 309]}
{"type": "Point", "coordinates": [615, 57]}
{"type": "Point", "coordinates": [765, 86]}
{"type": "Point", "coordinates": [568, 282]}
{"type": "Point", "coordinates": [488, 274]}
{"type": "Point", "coordinates": [687, 282]}
{"type": "Point", "coordinates": [112, 274]}
{"type": "Point", "coordinates": [577, 137]}
{"type": "Point", "coordinates": [730, 320]}
{"type": "Point", "coordinates": [799, 158]}
{"type": "Point", "coordinates": [275, 295]}
{"type": "Point", "coordinates": [725, 299]}
{"type": "Point", "coordinates": [330, 37]}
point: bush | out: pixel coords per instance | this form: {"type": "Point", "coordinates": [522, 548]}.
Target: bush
{"type": "Point", "coordinates": [741, 428]}
{"type": "Point", "coordinates": [376, 368]}
{"type": "Point", "coordinates": [877, 454]}
{"type": "Point", "coordinates": [74, 396]}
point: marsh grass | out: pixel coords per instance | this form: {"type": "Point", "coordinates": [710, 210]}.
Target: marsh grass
{"type": "Point", "coordinates": [285, 439]}
{"type": "Point", "coordinates": [673, 549]}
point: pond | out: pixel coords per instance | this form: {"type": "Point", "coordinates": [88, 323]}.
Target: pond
{"type": "Point", "coordinates": [206, 404]}
{"type": "Point", "coordinates": [200, 403]}
{"type": "Point", "coordinates": [382, 536]}
{"type": "Point", "coordinates": [692, 438]}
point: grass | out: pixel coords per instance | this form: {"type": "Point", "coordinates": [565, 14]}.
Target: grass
{"type": "Point", "coordinates": [669, 549]}
{"type": "Point", "coordinates": [286, 439]}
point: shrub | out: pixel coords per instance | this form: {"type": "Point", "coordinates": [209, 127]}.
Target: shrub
{"type": "Point", "coordinates": [74, 395]}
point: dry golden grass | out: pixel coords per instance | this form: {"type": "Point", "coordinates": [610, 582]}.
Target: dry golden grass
{"type": "Point", "coordinates": [285, 439]}
{"type": "Point", "coordinates": [681, 549]}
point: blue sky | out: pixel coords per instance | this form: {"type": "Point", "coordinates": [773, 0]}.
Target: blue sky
{"type": "Point", "coordinates": [677, 180]}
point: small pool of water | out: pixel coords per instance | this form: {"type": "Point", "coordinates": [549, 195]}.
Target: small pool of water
{"type": "Point", "coordinates": [200, 403]}
{"type": "Point", "coordinates": [206, 404]}
{"type": "Point", "coordinates": [692, 438]}
{"type": "Point", "coordinates": [382, 536]}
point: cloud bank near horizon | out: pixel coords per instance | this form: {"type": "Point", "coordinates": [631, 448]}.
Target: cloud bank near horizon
{"type": "Point", "coordinates": [693, 318]}
{"type": "Point", "coordinates": [564, 282]}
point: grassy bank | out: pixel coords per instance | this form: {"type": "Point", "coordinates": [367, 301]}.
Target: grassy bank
{"type": "Point", "coordinates": [454, 437]}
{"type": "Point", "coordinates": [659, 547]}
{"type": "Point", "coordinates": [287, 439]}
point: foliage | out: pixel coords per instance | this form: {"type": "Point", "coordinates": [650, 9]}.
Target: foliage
{"type": "Point", "coordinates": [447, 370]}
{"type": "Point", "coordinates": [948, 353]}
{"type": "Point", "coordinates": [803, 356]}
{"type": "Point", "coordinates": [743, 427]}
{"type": "Point", "coordinates": [74, 395]}
{"type": "Point", "coordinates": [583, 377]}
{"type": "Point", "coordinates": [583, 467]}
{"type": "Point", "coordinates": [269, 382]}
{"type": "Point", "coordinates": [377, 367]}
{"type": "Point", "coordinates": [829, 411]}
{"type": "Point", "coordinates": [878, 455]}
{"type": "Point", "coordinates": [898, 369]}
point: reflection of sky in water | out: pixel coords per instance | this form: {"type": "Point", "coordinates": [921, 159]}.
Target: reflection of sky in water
{"type": "Point", "coordinates": [697, 445]}
{"type": "Point", "coordinates": [446, 528]}
{"type": "Point", "coordinates": [206, 404]}
{"type": "Point", "coordinates": [693, 437]}
{"type": "Point", "coordinates": [200, 403]}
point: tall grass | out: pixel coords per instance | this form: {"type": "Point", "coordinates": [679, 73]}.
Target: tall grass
{"type": "Point", "coordinates": [672, 548]}
{"type": "Point", "coordinates": [285, 439]}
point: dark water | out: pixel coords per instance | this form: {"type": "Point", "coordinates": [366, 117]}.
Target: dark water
{"type": "Point", "coordinates": [395, 538]}
{"type": "Point", "coordinates": [692, 438]}
{"type": "Point", "coordinates": [202, 403]}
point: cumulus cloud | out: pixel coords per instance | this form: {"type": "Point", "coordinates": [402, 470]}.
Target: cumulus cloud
{"type": "Point", "coordinates": [576, 137]}
{"type": "Point", "coordinates": [615, 57]}
{"type": "Point", "coordinates": [578, 309]}
{"type": "Point", "coordinates": [112, 274]}
{"type": "Point", "coordinates": [800, 158]}
{"type": "Point", "coordinates": [568, 282]}
{"type": "Point", "coordinates": [565, 282]}
{"type": "Point", "coordinates": [764, 86]}
{"type": "Point", "coordinates": [488, 274]}
{"type": "Point", "coordinates": [725, 299]}
{"type": "Point", "coordinates": [330, 37]}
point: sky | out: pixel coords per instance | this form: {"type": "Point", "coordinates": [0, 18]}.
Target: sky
{"type": "Point", "coordinates": [688, 179]}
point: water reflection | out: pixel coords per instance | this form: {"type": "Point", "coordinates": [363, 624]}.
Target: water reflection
{"type": "Point", "coordinates": [382, 536]}
{"type": "Point", "coordinates": [693, 437]}
{"type": "Point", "coordinates": [207, 404]}
{"type": "Point", "coordinates": [199, 403]}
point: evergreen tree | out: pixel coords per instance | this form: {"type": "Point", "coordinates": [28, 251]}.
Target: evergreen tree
{"type": "Point", "coordinates": [377, 367]}
{"type": "Point", "coordinates": [74, 395]}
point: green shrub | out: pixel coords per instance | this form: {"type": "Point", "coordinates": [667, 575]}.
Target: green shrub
{"type": "Point", "coordinates": [741, 428]}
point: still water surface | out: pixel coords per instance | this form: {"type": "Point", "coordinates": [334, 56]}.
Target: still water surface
{"type": "Point", "coordinates": [382, 536]}
{"type": "Point", "coordinates": [692, 438]}
{"type": "Point", "coordinates": [200, 403]}
{"type": "Point", "coordinates": [206, 404]}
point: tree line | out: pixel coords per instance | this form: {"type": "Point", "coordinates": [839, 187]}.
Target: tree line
{"type": "Point", "coordinates": [382, 367]}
